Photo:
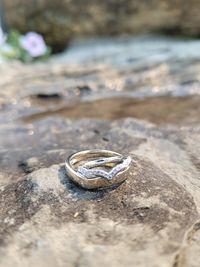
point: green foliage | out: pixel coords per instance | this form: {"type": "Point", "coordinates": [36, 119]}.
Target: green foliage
{"type": "Point", "coordinates": [13, 49]}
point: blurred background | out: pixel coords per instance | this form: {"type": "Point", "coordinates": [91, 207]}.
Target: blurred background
{"type": "Point", "coordinates": [61, 21]}
{"type": "Point", "coordinates": [151, 48]}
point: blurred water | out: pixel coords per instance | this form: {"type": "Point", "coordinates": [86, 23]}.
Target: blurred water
{"type": "Point", "coordinates": [159, 110]}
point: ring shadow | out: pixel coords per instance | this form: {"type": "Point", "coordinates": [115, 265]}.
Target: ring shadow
{"type": "Point", "coordinates": [80, 193]}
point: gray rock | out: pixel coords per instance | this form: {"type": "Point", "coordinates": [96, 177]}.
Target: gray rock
{"type": "Point", "coordinates": [153, 217]}
{"type": "Point", "coordinates": [45, 214]}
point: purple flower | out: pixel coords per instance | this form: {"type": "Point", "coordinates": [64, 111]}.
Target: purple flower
{"type": "Point", "coordinates": [34, 44]}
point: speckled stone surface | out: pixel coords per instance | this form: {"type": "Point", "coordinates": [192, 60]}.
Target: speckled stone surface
{"type": "Point", "coordinates": [146, 107]}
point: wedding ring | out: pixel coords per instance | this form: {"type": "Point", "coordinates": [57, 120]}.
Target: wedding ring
{"type": "Point", "coordinates": [97, 168]}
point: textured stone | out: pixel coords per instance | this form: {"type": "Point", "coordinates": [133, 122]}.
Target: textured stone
{"type": "Point", "coordinates": [153, 217]}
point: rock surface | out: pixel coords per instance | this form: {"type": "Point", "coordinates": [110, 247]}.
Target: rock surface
{"type": "Point", "coordinates": [89, 17]}
{"type": "Point", "coordinates": [134, 96]}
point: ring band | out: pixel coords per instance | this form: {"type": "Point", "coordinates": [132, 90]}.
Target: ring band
{"type": "Point", "coordinates": [97, 168]}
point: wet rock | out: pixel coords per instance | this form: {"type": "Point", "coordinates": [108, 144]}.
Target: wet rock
{"type": "Point", "coordinates": [174, 110]}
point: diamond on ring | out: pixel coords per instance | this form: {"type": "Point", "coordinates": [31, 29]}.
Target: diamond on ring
{"type": "Point", "coordinates": [97, 168]}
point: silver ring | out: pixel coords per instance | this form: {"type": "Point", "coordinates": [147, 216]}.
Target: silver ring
{"type": "Point", "coordinates": [97, 168]}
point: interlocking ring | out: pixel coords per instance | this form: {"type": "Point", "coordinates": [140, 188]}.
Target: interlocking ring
{"type": "Point", "coordinates": [97, 168]}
